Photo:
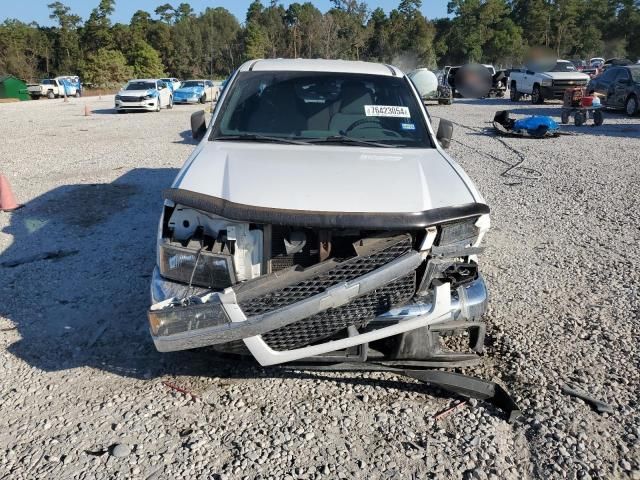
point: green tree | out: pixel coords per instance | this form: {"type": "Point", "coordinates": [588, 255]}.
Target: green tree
{"type": "Point", "coordinates": [66, 54]}
{"type": "Point", "coordinates": [166, 13]}
{"type": "Point", "coordinates": [24, 49]}
{"type": "Point", "coordinates": [97, 29]}
{"type": "Point", "coordinates": [106, 68]}
{"type": "Point", "coordinates": [145, 60]}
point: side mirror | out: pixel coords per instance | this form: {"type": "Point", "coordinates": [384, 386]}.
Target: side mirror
{"type": "Point", "coordinates": [445, 133]}
{"type": "Point", "coordinates": [198, 124]}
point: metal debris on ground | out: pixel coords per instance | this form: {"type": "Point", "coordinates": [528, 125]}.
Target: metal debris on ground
{"type": "Point", "coordinates": [599, 405]}
{"type": "Point", "coordinates": [175, 387]}
{"type": "Point", "coordinates": [448, 411]}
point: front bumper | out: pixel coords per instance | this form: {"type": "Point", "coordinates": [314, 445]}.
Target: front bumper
{"type": "Point", "coordinates": [142, 105]}
{"type": "Point", "coordinates": [556, 91]}
{"type": "Point", "coordinates": [181, 99]}
{"type": "Point", "coordinates": [222, 319]}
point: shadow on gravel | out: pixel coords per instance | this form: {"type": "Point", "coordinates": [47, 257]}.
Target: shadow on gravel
{"type": "Point", "coordinates": [75, 280]}
{"type": "Point", "coordinates": [187, 139]}
{"type": "Point", "coordinates": [104, 111]}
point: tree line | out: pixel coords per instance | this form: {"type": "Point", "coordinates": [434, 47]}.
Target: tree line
{"type": "Point", "coordinates": [176, 41]}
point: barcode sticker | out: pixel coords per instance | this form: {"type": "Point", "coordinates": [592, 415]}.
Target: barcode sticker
{"type": "Point", "coordinates": [386, 111]}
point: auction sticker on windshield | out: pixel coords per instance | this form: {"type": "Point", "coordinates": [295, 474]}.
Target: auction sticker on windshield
{"type": "Point", "coordinates": [386, 111]}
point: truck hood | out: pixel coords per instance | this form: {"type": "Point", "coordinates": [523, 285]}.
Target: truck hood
{"type": "Point", "coordinates": [566, 75]}
{"type": "Point", "coordinates": [325, 178]}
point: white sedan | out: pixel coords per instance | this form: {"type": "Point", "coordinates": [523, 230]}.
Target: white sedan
{"type": "Point", "coordinates": [144, 94]}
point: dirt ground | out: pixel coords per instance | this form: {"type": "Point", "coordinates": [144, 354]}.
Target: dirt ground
{"type": "Point", "coordinates": [84, 394]}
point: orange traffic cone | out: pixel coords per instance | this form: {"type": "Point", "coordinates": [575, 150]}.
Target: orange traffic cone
{"type": "Point", "coordinates": [7, 199]}
{"type": "Point", "coordinates": [87, 112]}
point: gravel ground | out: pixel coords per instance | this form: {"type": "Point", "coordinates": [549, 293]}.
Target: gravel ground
{"type": "Point", "coordinates": [81, 385]}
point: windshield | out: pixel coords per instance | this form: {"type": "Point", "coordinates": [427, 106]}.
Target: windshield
{"type": "Point", "coordinates": [140, 86]}
{"type": "Point", "coordinates": [48, 82]}
{"type": "Point", "coordinates": [192, 83]}
{"type": "Point", "coordinates": [324, 108]}
{"type": "Point", "coordinates": [564, 67]}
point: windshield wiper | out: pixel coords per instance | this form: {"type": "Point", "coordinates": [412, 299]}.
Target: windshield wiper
{"type": "Point", "coordinates": [252, 137]}
{"type": "Point", "coordinates": [344, 139]}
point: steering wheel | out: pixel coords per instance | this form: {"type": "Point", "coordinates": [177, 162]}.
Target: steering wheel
{"type": "Point", "coordinates": [375, 121]}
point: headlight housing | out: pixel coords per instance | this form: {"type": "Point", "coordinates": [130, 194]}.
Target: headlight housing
{"type": "Point", "coordinates": [547, 82]}
{"type": "Point", "coordinates": [461, 233]}
{"type": "Point", "coordinates": [117, 97]}
{"type": "Point", "coordinates": [208, 269]}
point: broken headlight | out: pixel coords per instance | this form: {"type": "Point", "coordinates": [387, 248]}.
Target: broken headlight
{"type": "Point", "coordinates": [462, 233]}
{"type": "Point", "coordinates": [199, 267]}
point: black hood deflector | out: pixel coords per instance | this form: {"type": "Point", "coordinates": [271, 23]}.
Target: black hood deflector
{"type": "Point", "coordinates": [318, 219]}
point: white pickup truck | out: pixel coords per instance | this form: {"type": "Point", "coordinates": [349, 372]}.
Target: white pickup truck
{"type": "Point", "coordinates": [52, 88]}
{"type": "Point", "coordinates": [545, 83]}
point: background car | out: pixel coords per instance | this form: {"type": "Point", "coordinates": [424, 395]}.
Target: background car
{"type": "Point", "coordinates": [193, 91]}
{"type": "Point", "coordinates": [144, 94]}
{"type": "Point", "coordinates": [620, 87]}
{"type": "Point", "coordinates": [172, 83]}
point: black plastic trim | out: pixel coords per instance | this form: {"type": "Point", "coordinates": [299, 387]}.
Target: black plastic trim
{"type": "Point", "coordinates": [321, 219]}
{"type": "Point", "coordinates": [393, 71]}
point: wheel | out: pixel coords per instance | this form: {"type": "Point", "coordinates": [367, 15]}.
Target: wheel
{"type": "Point", "coordinates": [514, 95]}
{"type": "Point", "coordinates": [77, 95]}
{"type": "Point", "coordinates": [158, 105]}
{"type": "Point", "coordinates": [50, 95]}
{"type": "Point", "coordinates": [631, 105]}
{"type": "Point", "coordinates": [536, 95]}
{"type": "Point", "coordinates": [579, 118]}
{"type": "Point", "coordinates": [202, 99]}
{"type": "Point", "coordinates": [170, 106]}
{"type": "Point", "coordinates": [564, 116]}
{"type": "Point", "coordinates": [598, 117]}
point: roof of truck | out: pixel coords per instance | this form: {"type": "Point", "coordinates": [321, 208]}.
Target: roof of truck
{"type": "Point", "coordinates": [320, 65]}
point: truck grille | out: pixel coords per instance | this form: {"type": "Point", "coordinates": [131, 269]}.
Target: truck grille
{"type": "Point", "coordinates": [357, 313]}
{"type": "Point", "coordinates": [563, 84]}
{"type": "Point", "coordinates": [345, 271]}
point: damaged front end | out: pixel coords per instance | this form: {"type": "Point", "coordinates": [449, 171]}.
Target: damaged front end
{"type": "Point", "coordinates": [287, 285]}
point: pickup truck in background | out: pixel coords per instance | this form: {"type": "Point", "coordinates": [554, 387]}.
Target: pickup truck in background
{"type": "Point", "coordinates": [53, 88]}
{"type": "Point", "coordinates": [544, 83]}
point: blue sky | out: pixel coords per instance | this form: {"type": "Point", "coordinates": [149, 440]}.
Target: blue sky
{"type": "Point", "coordinates": [36, 10]}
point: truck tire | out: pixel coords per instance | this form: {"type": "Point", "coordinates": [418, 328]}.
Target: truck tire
{"type": "Point", "coordinates": [536, 95]}
{"type": "Point", "coordinates": [579, 118]}
{"type": "Point", "coordinates": [564, 116]}
{"type": "Point", "coordinates": [170, 106]}
{"type": "Point", "coordinates": [50, 95]}
{"type": "Point", "coordinates": [158, 106]}
{"type": "Point", "coordinates": [77, 95]}
{"type": "Point", "coordinates": [514, 95]}
{"type": "Point", "coordinates": [631, 105]}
